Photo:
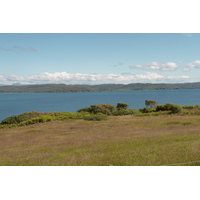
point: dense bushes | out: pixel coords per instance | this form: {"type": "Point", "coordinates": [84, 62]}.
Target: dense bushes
{"type": "Point", "coordinates": [98, 112]}
{"type": "Point", "coordinates": [102, 108]}
{"type": "Point", "coordinates": [35, 117]}
{"type": "Point", "coordinates": [99, 109]}
{"type": "Point", "coordinates": [20, 118]}
{"type": "Point", "coordinates": [122, 106]}
{"type": "Point", "coordinates": [147, 110]}
{"type": "Point", "coordinates": [152, 107]}
{"type": "Point", "coordinates": [151, 103]}
{"type": "Point", "coordinates": [169, 107]}
{"type": "Point", "coordinates": [191, 107]}
{"type": "Point", "coordinates": [191, 110]}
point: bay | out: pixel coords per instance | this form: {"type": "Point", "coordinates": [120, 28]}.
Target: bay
{"type": "Point", "coordinates": [17, 103]}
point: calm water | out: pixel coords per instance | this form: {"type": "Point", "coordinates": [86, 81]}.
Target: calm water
{"type": "Point", "coordinates": [14, 104]}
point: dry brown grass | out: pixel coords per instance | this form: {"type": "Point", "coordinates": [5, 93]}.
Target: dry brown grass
{"type": "Point", "coordinates": [128, 140]}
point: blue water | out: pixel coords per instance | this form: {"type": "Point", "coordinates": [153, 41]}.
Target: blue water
{"type": "Point", "coordinates": [14, 104]}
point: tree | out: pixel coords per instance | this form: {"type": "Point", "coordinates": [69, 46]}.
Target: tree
{"type": "Point", "coordinates": [151, 103]}
{"type": "Point", "coordinates": [122, 106]}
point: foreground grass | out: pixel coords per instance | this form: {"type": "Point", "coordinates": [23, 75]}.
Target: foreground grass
{"type": "Point", "coordinates": [121, 141]}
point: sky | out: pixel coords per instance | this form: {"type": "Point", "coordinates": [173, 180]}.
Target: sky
{"type": "Point", "coordinates": [98, 58]}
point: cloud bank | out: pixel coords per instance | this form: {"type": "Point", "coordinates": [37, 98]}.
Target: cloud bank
{"type": "Point", "coordinates": [192, 65]}
{"type": "Point", "coordinates": [78, 78]}
{"type": "Point", "coordinates": [170, 66]}
{"type": "Point", "coordinates": [167, 67]}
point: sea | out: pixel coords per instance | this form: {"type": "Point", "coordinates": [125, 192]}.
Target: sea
{"type": "Point", "coordinates": [17, 103]}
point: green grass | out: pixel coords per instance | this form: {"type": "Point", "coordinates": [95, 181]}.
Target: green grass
{"type": "Point", "coordinates": [119, 141]}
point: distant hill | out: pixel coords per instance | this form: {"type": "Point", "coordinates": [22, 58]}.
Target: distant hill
{"type": "Point", "coordinates": [58, 88]}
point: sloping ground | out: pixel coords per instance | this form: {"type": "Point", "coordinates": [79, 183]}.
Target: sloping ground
{"type": "Point", "coordinates": [128, 140]}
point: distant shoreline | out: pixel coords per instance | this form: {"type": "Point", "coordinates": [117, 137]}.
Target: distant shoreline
{"type": "Point", "coordinates": [62, 88]}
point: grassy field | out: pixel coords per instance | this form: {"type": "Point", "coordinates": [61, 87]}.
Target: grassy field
{"type": "Point", "coordinates": [117, 141]}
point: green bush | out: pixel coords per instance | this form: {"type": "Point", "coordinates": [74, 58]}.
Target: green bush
{"type": "Point", "coordinates": [99, 109]}
{"type": "Point", "coordinates": [102, 108]}
{"type": "Point", "coordinates": [191, 107]}
{"type": "Point", "coordinates": [147, 110]}
{"type": "Point", "coordinates": [20, 118]}
{"type": "Point", "coordinates": [165, 107]}
{"type": "Point", "coordinates": [151, 103]}
{"type": "Point", "coordinates": [87, 109]}
{"type": "Point", "coordinates": [122, 106]}
{"type": "Point", "coordinates": [10, 120]}
{"type": "Point", "coordinates": [54, 116]}
{"type": "Point", "coordinates": [26, 119]}
{"type": "Point", "coordinates": [173, 108]}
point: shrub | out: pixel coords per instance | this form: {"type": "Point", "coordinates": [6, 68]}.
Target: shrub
{"type": "Point", "coordinates": [40, 118]}
{"type": "Point", "coordinates": [147, 110]}
{"type": "Point", "coordinates": [122, 106]}
{"type": "Point", "coordinates": [87, 109]}
{"type": "Point", "coordinates": [169, 107]}
{"type": "Point", "coordinates": [10, 120]}
{"type": "Point", "coordinates": [99, 109]}
{"type": "Point", "coordinates": [20, 118]}
{"type": "Point", "coordinates": [191, 107]}
{"type": "Point", "coordinates": [175, 109]}
{"type": "Point", "coordinates": [151, 103]}
{"type": "Point", "coordinates": [191, 110]}
{"type": "Point", "coordinates": [102, 108]}
{"type": "Point", "coordinates": [162, 108]}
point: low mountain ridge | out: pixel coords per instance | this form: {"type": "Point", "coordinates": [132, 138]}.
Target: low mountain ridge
{"type": "Point", "coordinates": [58, 88]}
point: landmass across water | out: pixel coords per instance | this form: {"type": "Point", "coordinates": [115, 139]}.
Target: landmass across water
{"type": "Point", "coordinates": [59, 88]}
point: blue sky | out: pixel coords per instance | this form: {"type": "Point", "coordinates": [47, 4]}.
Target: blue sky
{"type": "Point", "coordinates": [95, 58]}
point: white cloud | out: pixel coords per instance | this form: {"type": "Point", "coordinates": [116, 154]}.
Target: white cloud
{"type": "Point", "coordinates": [192, 65]}
{"type": "Point", "coordinates": [178, 79]}
{"type": "Point", "coordinates": [78, 78]}
{"type": "Point", "coordinates": [170, 66]}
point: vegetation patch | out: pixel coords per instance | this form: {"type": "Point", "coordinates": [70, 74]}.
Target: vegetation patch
{"type": "Point", "coordinates": [173, 123]}
{"type": "Point", "coordinates": [101, 112]}
{"type": "Point", "coordinates": [20, 118]}
{"type": "Point", "coordinates": [118, 141]}
{"type": "Point", "coordinates": [96, 117]}
{"type": "Point", "coordinates": [169, 107]}
{"type": "Point", "coordinates": [154, 135]}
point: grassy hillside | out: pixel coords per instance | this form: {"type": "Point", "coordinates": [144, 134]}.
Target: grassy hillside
{"type": "Point", "coordinates": [119, 140]}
